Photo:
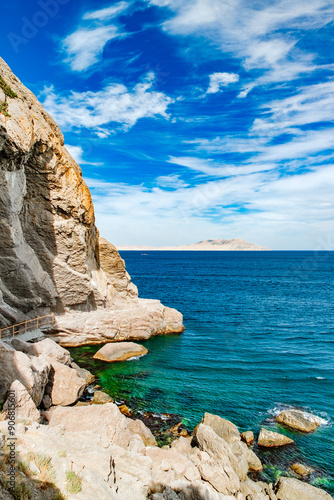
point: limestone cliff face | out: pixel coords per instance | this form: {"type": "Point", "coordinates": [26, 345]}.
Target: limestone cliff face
{"type": "Point", "coordinates": [51, 257]}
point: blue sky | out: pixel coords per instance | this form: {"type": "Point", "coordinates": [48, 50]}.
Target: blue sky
{"type": "Point", "coordinates": [190, 119]}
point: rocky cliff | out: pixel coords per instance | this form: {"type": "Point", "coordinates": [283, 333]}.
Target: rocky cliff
{"type": "Point", "coordinates": [52, 258]}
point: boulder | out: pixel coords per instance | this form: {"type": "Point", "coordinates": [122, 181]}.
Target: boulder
{"type": "Point", "coordinates": [20, 345]}
{"type": "Point", "coordinates": [32, 372]}
{"type": "Point", "coordinates": [25, 409]}
{"type": "Point", "coordinates": [101, 398]}
{"type": "Point", "coordinates": [65, 386]}
{"type": "Point", "coordinates": [138, 427]}
{"type": "Point", "coordinates": [50, 349]}
{"type": "Point", "coordinates": [252, 490]}
{"type": "Point", "coordinates": [241, 449]}
{"type": "Point", "coordinates": [120, 351]}
{"type": "Point", "coordinates": [105, 421]}
{"type": "Point", "coordinates": [248, 437]}
{"type": "Point", "coordinates": [222, 469]}
{"type": "Point", "coordinates": [224, 428]}
{"type": "Point", "coordinates": [269, 439]}
{"type": "Point", "coordinates": [301, 470]}
{"type": "Point", "coordinates": [88, 377]}
{"type": "Point", "coordinates": [298, 420]}
{"type": "Point", "coordinates": [292, 489]}
{"type": "Point", "coordinates": [169, 466]}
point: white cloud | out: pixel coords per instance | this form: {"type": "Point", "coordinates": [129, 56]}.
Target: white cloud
{"type": "Point", "coordinates": [218, 80]}
{"type": "Point", "coordinates": [170, 181]}
{"type": "Point", "coordinates": [85, 46]}
{"type": "Point", "coordinates": [108, 12]}
{"type": "Point", "coordinates": [184, 215]}
{"type": "Point", "coordinates": [77, 153]}
{"type": "Point", "coordinates": [263, 36]}
{"type": "Point", "coordinates": [114, 103]}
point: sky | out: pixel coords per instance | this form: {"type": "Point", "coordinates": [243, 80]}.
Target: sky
{"type": "Point", "coordinates": [191, 120]}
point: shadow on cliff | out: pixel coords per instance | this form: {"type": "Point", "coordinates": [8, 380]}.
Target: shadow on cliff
{"type": "Point", "coordinates": [190, 492]}
{"type": "Point", "coordinates": [25, 221]}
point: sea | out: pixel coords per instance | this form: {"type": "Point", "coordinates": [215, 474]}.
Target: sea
{"type": "Point", "coordinates": [259, 338]}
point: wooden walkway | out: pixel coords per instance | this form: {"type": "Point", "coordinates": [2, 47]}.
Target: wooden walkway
{"type": "Point", "coordinates": [27, 326]}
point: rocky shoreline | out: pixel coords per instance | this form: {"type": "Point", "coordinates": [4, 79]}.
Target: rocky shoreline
{"type": "Point", "coordinates": [67, 448]}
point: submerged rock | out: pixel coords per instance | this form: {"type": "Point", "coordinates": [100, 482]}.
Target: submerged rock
{"type": "Point", "coordinates": [269, 439]}
{"type": "Point", "coordinates": [292, 489]}
{"type": "Point", "coordinates": [120, 351]}
{"type": "Point", "coordinates": [301, 470]}
{"type": "Point", "coordinates": [298, 420]}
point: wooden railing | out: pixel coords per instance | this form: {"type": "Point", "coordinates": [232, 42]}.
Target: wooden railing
{"type": "Point", "coordinates": [26, 326]}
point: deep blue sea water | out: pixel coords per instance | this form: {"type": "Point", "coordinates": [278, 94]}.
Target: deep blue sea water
{"type": "Point", "coordinates": [259, 336]}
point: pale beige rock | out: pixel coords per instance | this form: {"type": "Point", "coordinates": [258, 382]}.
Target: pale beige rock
{"type": "Point", "coordinates": [138, 322]}
{"type": "Point", "coordinates": [298, 420]}
{"type": "Point", "coordinates": [252, 491]}
{"type": "Point", "coordinates": [88, 377]}
{"type": "Point", "coordinates": [104, 420]}
{"type": "Point", "coordinates": [224, 428]}
{"type": "Point", "coordinates": [223, 467]}
{"type": "Point", "coordinates": [248, 437]}
{"type": "Point", "coordinates": [101, 398]}
{"type": "Point", "coordinates": [120, 351]}
{"type": "Point", "coordinates": [66, 387]}
{"type": "Point", "coordinates": [51, 350]}
{"type": "Point", "coordinates": [182, 445]}
{"type": "Point", "coordinates": [25, 409]}
{"type": "Point", "coordinates": [293, 489]}
{"type": "Point", "coordinates": [240, 450]}
{"type": "Point", "coordinates": [301, 470]}
{"type": "Point", "coordinates": [32, 372]}
{"type": "Point", "coordinates": [270, 439]}
{"type": "Point", "coordinates": [138, 427]}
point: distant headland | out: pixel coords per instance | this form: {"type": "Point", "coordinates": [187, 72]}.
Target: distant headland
{"type": "Point", "coordinates": [234, 244]}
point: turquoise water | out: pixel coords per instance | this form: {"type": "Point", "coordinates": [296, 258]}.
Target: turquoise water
{"type": "Point", "coordinates": [259, 336]}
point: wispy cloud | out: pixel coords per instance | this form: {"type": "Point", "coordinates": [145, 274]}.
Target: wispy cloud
{"type": "Point", "coordinates": [108, 12]}
{"type": "Point", "coordinates": [114, 103]}
{"type": "Point", "coordinates": [84, 47]}
{"type": "Point", "coordinates": [263, 38]}
{"type": "Point", "coordinates": [219, 80]}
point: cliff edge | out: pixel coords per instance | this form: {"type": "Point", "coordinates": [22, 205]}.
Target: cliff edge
{"type": "Point", "coordinates": [52, 258]}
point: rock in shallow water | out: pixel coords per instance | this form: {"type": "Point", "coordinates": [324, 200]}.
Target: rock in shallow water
{"type": "Point", "coordinates": [302, 470]}
{"type": "Point", "coordinates": [120, 352]}
{"type": "Point", "coordinates": [248, 437]}
{"type": "Point", "coordinates": [293, 489]}
{"type": "Point", "coordinates": [269, 439]}
{"type": "Point", "coordinates": [298, 420]}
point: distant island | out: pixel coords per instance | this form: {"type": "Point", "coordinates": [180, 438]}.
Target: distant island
{"type": "Point", "coordinates": [235, 244]}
